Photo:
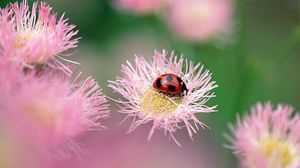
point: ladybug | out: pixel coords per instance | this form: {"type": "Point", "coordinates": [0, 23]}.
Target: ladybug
{"type": "Point", "coordinates": [170, 84]}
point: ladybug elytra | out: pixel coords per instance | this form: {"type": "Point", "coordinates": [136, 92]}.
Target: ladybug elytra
{"type": "Point", "coordinates": [170, 84]}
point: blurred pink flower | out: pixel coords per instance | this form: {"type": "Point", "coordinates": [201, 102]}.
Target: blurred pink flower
{"type": "Point", "coordinates": [49, 111]}
{"type": "Point", "coordinates": [35, 37]}
{"type": "Point", "coordinates": [15, 154]}
{"type": "Point", "coordinates": [200, 20]}
{"type": "Point", "coordinates": [141, 6]}
{"type": "Point", "coordinates": [268, 138]}
{"type": "Point", "coordinates": [146, 105]}
{"type": "Point", "coordinates": [114, 149]}
{"type": "Point", "coordinates": [10, 73]}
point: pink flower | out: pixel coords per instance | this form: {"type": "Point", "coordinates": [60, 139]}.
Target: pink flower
{"type": "Point", "coordinates": [268, 138]}
{"type": "Point", "coordinates": [145, 104]}
{"type": "Point", "coordinates": [10, 73]}
{"type": "Point", "coordinates": [200, 20]}
{"type": "Point", "coordinates": [49, 111]}
{"type": "Point", "coordinates": [112, 149]}
{"type": "Point", "coordinates": [141, 6]}
{"type": "Point", "coordinates": [35, 37]}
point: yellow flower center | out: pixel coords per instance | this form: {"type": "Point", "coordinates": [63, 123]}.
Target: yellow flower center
{"type": "Point", "coordinates": [199, 11]}
{"type": "Point", "coordinates": [21, 40]}
{"type": "Point", "coordinates": [41, 112]}
{"type": "Point", "coordinates": [277, 149]}
{"type": "Point", "coordinates": [159, 104]}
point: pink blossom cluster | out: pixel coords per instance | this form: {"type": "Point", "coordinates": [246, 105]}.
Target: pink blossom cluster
{"type": "Point", "coordinates": [50, 106]}
{"type": "Point", "coordinates": [45, 106]}
{"type": "Point", "coordinates": [197, 21]}
{"type": "Point", "coordinates": [41, 102]}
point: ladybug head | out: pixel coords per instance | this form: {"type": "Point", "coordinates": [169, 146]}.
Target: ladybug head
{"type": "Point", "coordinates": [184, 88]}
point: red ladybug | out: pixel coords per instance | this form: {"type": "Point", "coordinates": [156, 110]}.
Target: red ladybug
{"type": "Point", "coordinates": [170, 84]}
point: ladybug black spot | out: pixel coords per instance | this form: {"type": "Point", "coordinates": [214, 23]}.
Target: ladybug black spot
{"type": "Point", "coordinates": [158, 83]}
{"type": "Point", "coordinates": [172, 88]}
{"type": "Point", "coordinates": [169, 78]}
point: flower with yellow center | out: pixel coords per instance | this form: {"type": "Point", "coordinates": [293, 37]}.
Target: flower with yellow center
{"type": "Point", "coordinates": [36, 36]}
{"type": "Point", "coordinates": [49, 112]}
{"type": "Point", "coordinates": [268, 138]}
{"type": "Point", "coordinates": [146, 104]}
